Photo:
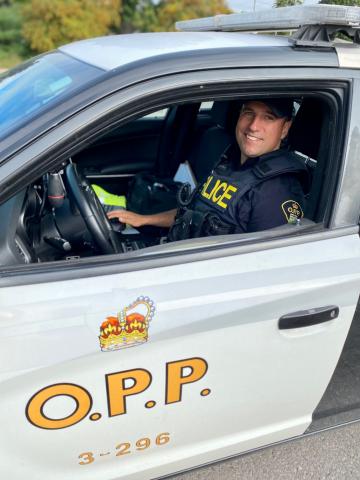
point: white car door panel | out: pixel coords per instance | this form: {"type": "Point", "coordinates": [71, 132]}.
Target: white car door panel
{"type": "Point", "coordinates": [215, 377]}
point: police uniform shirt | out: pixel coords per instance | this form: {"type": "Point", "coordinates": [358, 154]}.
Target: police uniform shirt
{"type": "Point", "coordinates": [269, 203]}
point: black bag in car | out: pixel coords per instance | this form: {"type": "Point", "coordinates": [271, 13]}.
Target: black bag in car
{"type": "Point", "coordinates": [150, 194]}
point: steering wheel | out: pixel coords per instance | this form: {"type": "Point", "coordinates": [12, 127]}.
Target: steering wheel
{"type": "Point", "coordinates": [91, 211]}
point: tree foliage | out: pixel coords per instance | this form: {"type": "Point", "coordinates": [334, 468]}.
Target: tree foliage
{"type": "Point", "coordinates": [351, 3]}
{"type": "Point", "coordinates": [150, 16]}
{"type": "Point", "coordinates": [137, 15]}
{"type": "Point", "coordinates": [42, 25]}
{"type": "Point", "coordinates": [12, 46]}
{"type": "Point", "coordinates": [171, 11]}
{"type": "Point", "coordinates": [50, 23]}
{"type": "Point", "coordinates": [127, 13]}
{"type": "Point", "coordinates": [10, 25]}
{"type": "Point", "coordinates": [287, 3]}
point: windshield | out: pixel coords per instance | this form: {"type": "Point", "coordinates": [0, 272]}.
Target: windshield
{"type": "Point", "coordinates": [38, 84]}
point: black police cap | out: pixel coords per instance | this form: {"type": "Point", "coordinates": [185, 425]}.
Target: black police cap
{"type": "Point", "coordinates": [280, 107]}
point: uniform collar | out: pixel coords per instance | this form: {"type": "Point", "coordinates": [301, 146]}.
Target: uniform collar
{"type": "Point", "coordinates": [233, 154]}
{"type": "Point", "coordinates": [251, 162]}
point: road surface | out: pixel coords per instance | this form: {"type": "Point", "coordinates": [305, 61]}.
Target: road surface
{"type": "Point", "coordinates": [331, 455]}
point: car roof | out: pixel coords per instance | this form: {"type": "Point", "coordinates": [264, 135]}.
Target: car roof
{"type": "Point", "coordinates": [116, 51]}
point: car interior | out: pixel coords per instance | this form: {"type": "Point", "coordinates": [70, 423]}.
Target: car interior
{"type": "Point", "coordinates": [61, 218]}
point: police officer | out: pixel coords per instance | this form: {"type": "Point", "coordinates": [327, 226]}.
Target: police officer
{"type": "Point", "coordinates": [256, 184]}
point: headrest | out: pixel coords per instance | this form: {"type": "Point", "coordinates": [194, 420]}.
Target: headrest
{"type": "Point", "coordinates": [219, 113]}
{"type": "Point", "coordinates": [225, 114]}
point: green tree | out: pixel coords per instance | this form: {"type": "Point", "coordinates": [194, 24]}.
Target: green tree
{"type": "Point", "coordinates": [351, 3]}
{"type": "Point", "coordinates": [287, 3]}
{"type": "Point", "coordinates": [127, 13]}
{"type": "Point", "coordinates": [137, 15]}
{"type": "Point", "coordinates": [50, 23]}
{"type": "Point", "coordinates": [10, 25]}
{"type": "Point", "coordinates": [12, 47]}
{"type": "Point", "coordinates": [149, 15]}
{"type": "Point", "coordinates": [171, 11]}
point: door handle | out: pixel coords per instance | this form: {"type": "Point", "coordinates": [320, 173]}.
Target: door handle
{"type": "Point", "coordinates": [306, 318]}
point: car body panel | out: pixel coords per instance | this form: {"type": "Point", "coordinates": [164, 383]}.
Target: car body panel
{"type": "Point", "coordinates": [348, 55]}
{"type": "Point", "coordinates": [185, 251]}
{"type": "Point", "coordinates": [199, 306]}
{"type": "Point", "coordinates": [115, 51]}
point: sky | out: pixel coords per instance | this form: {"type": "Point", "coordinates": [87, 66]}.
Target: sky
{"type": "Point", "coordinates": [248, 5]}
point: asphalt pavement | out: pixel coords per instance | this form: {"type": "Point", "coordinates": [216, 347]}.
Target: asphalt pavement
{"type": "Point", "coordinates": [332, 454]}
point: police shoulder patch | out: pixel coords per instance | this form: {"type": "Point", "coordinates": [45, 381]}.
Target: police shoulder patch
{"type": "Point", "coordinates": [292, 211]}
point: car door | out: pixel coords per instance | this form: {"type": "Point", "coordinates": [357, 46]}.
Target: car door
{"type": "Point", "coordinates": [145, 364]}
{"type": "Point", "coordinates": [214, 375]}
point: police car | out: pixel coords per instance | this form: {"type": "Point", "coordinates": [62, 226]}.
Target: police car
{"type": "Point", "coordinates": [238, 341]}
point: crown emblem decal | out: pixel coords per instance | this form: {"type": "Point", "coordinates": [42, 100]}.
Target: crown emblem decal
{"type": "Point", "coordinates": [130, 327]}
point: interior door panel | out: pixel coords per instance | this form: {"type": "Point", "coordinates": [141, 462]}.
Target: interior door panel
{"type": "Point", "coordinates": [113, 160]}
{"type": "Point", "coordinates": [130, 149]}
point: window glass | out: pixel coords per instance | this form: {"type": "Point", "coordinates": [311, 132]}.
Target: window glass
{"type": "Point", "coordinates": [36, 85]}
{"type": "Point", "coordinates": [158, 115]}
{"type": "Point", "coordinates": [206, 106]}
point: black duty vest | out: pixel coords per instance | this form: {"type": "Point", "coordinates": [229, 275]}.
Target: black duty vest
{"type": "Point", "coordinates": [211, 208]}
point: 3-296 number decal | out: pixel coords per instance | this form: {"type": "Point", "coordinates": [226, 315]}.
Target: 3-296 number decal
{"type": "Point", "coordinates": [126, 448]}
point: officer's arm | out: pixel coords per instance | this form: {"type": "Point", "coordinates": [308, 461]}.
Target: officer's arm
{"type": "Point", "coordinates": [163, 219]}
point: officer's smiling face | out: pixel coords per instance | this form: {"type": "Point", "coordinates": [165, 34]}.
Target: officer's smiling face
{"type": "Point", "coordinates": [258, 130]}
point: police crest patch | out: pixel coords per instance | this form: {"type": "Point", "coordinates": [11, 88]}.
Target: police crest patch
{"type": "Point", "coordinates": [292, 211]}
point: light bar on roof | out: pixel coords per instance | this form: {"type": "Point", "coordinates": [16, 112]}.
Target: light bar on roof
{"type": "Point", "coordinates": [285, 18]}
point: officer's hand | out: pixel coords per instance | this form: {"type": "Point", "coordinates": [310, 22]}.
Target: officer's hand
{"type": "Point", "coordinates": [131, 218]}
